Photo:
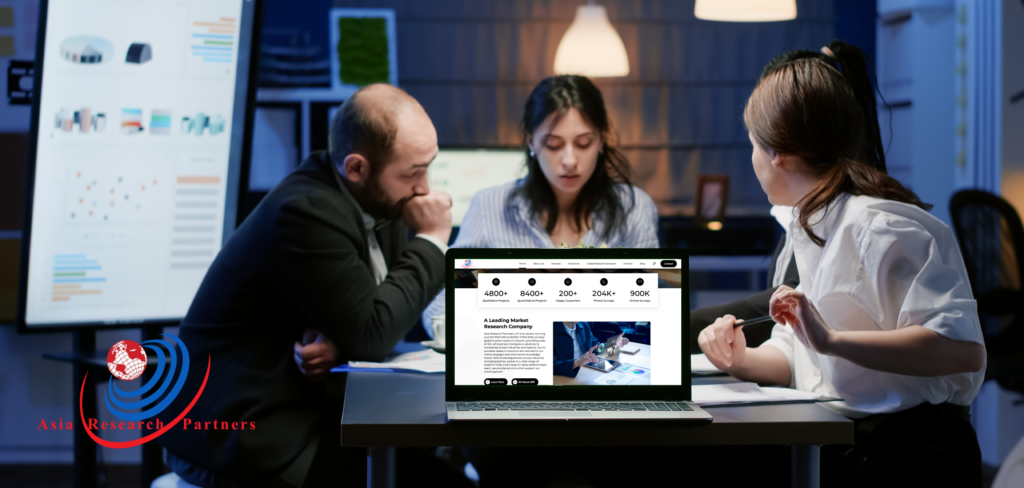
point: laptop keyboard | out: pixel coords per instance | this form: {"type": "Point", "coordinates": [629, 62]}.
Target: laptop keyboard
{"type": "Point", "coordinates": [564, 407]}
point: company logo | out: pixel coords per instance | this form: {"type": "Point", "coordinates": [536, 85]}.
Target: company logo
{"type": "Point", "coordinates": [467, 263]}
{"type": "Point", "coordinates": [127, 361]}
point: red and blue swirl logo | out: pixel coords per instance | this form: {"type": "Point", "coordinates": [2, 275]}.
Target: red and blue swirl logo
{"type": "Point", "coordinates": [127, 361]}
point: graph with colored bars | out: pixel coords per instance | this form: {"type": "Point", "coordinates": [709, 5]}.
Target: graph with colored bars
{"type": "Point", "coordinates": [75, 276]}
{"type": "Point", "coordinates": [214, 41]}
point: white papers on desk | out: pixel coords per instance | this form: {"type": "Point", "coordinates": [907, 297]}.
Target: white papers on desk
{"type": "Point", "coordinates": [427, 361]}
{"type": "Point", "coordinates": [700, 364]}
{"type": "Point", "coordinates": [750, 394]}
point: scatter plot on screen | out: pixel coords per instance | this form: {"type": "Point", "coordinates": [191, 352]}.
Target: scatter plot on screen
{"type": "Point", "coordinates": [111, 195]}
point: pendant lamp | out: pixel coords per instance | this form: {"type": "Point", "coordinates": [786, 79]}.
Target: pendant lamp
{"type": "Point", "coordinates": [745, 10]}
{"type": "Point", "coordinates": [591, 47]}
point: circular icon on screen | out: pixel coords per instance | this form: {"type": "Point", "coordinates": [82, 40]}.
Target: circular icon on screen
{"type": "Point", "coordinates": [532, 282]}
{"type": "Point", "coordinates": [639, 282]}
{"type": "Point", "coordinates": [495, 282]}
{"type": "Point", "coordinates": [604, 281]}
{"type": "Point", "coordinates": [487, 382]}
{"type": "Point", "coordinates": [568, 282]}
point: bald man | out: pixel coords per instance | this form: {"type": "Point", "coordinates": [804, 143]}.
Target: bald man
{"type": "Point", "coordinates": [326, 252]}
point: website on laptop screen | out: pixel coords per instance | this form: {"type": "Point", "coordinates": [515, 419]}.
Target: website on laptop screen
{"type": "Point", "coordinates": [568, 322]}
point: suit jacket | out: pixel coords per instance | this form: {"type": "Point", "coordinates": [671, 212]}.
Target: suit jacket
{"type": "Point", "coordinates": [748, 308]}
{"type": "Point", "coordinates": [300, 260]}
{"type": "Point", "coordinates": [562, 344]}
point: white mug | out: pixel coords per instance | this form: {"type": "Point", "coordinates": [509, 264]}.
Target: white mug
{"type": "Point", "coordinates": [437, 323]}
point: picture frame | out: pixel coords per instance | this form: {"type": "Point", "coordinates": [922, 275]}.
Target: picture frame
{"type": "Point", "coordinates": [712, 197]}
{"type": "Point", "coordinates": [356, 60]}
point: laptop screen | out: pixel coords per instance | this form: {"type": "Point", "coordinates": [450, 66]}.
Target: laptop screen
{"type": "Point", "coordinates": [572, 321]}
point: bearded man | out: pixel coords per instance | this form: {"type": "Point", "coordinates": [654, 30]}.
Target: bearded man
{"type": "Point", "coordinates": [326, 256]}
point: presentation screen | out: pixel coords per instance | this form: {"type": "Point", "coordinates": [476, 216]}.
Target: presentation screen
{"type": "Point", "coordinates": [463, 172]}
{"type": "Point", "coordinates": [136, 157]}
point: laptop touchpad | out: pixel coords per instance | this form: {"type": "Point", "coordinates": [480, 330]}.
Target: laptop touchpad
{"type": "Point", "coordinates": [558, 415]}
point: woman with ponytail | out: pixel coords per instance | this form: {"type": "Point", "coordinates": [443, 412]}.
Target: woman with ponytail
{"type": "Point", "coordinates": [853, 64]}
{"type": "Point", "coordinates": [884, 317]}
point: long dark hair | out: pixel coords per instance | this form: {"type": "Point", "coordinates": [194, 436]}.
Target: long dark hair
{"type": "Point", "coordinates": [806, 108]}
{"type": "Point", "coordinates": [598, 197]}
{"type": "Point", "coordinates": [853, 63]}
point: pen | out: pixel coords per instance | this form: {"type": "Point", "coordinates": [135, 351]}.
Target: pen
{"type": "Point", "coordinates": [760, 320]}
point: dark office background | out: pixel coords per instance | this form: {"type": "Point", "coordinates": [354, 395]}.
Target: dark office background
{"type": "Point", "coordinates": [472, 63]}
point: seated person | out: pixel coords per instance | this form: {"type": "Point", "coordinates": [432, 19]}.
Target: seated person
{"type": "Point", "coordinates": [853, 64]}
{"type": "Point", "coordinates": [327, 249]}
{"type": "Point", "coordinates": [884, 317]}
{"type": "Point", "coordinates": [574, 344]}
{"type": "Point", "coordinates": [577, 185]}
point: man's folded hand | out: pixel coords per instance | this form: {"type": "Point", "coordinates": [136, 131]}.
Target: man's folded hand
{"type": "Point", "coordinates": [315, 355]}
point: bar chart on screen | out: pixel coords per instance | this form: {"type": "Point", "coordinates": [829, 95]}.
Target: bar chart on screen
{"type": "Point", "coordinates": [212, 43]}
{"type": "Point", "coordinates": [76, 276]}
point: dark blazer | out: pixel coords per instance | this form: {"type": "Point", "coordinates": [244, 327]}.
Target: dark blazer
{"type": "Point", "coordinates": [562, 344]}
{"type": "Point", "coordinates": [299, 260]}
{"type": "Point", "coordinates": [748, 308]}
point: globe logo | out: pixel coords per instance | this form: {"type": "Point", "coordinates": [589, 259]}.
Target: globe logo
{"type": "Point", "coordinates": [126, 360]}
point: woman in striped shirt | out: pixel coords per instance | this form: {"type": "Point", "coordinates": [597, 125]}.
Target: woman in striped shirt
{"type": "Point", "coordinates": [576, 189]}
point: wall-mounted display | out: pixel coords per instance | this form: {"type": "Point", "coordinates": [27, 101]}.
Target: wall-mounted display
{"type": "Point", "coordinates": [141, 210]}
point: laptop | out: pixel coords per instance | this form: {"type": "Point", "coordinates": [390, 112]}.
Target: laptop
{"type": "Point", "coordinates": [521, 322]}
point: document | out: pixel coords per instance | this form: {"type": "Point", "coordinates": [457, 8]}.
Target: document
{"type": "Point", "coordinates": [737, 394]}
{"type": "Point", "coordinates": [427, 361]}
{"type": "Point", "coordinates": [701, 365]}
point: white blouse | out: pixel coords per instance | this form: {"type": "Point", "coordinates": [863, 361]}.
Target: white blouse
{"type": "Point", "coordinates": [885, 265]}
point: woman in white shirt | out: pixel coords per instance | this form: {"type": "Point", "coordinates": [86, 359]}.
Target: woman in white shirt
{"type": "Point", "coordinates": [577, 187]}
{"type": "Point", "coordinates": [883, 317]}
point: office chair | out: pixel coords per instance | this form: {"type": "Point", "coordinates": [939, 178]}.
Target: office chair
{"type": "Point", "coordinates": [991, 239]}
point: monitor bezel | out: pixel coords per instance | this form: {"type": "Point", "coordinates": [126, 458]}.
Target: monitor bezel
{"type": "Point", "coordinates": [459, 393]}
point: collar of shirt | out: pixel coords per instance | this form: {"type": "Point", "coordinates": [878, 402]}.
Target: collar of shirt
{"type": "Point", "coordinates": [521, 209]}
{"type": "Point", "coordinates": [784, 215]}
{"type": "Point", "coordinates": [807, 253]}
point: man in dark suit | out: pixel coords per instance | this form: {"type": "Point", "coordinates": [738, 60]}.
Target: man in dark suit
{"type": "Point", "coordinates": [574, 344]}
{"type": "Point", "coordinates": [326, 252]}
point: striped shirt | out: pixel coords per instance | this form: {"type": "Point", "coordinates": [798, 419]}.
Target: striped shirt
{"type": "Point", "coordinates": [495, 221]}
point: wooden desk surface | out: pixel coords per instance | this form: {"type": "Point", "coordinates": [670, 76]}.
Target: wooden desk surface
{"type": "Point", "coordinates": [407, 409]}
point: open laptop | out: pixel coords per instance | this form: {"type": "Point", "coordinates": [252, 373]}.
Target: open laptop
{"type": "Point", "coordinates": [520, 321]}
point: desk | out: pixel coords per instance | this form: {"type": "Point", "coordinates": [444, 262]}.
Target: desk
{"type": "Point", "coordinates": [586, 376]}
{"type": "Point", "coordinates": [388, 410]}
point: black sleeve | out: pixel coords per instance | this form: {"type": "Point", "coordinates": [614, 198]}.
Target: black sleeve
{"type": "Point", "coordinates": [320, 267]}
{"type": "Point", "coordinates": [748, 308]}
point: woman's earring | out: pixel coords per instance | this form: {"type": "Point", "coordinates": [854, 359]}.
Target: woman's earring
{"type": "Point", "coordinates": [532, 155]}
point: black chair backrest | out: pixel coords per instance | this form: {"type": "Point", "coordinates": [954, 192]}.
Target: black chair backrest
{"type": "Point", "coordinates": [991, 239]}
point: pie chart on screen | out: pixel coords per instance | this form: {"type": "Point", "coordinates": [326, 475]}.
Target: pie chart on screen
{"type": "Point", "coordinates": [636, 371]}
{"type": "Point", "coordinates": [86, 49]}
